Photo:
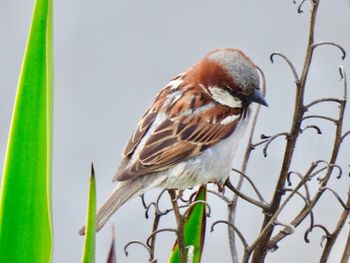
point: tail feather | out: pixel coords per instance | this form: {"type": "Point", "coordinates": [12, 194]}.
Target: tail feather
{"type": "Point", "coordinates": [122, 193]}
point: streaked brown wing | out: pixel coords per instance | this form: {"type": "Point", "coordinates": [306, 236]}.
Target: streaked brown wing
{"type": "Point", "coordinates": [179, 139]}
{"type": "Point", "coordinates": [135, 139]}
{"type": "Point", "coordinates": [142, 128]}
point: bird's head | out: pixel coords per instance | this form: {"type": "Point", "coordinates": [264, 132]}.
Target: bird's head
{"type": "Point", "coordinates": [229, 77]}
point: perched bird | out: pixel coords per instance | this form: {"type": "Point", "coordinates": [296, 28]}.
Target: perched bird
{"type": "Point", "coordinates": [191, 131]}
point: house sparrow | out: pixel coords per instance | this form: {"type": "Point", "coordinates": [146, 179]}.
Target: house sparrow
{"type": "Point", "coordinates": [191, 131]}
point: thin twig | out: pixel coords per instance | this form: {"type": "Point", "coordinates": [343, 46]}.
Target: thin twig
{"type": "Point", "coordinates": [315, 127]}
{"type": "Point", "coordinates": [138, 243]}
{"type": "Point", "coordinates": [335, 151]}
{"type": "Point", "coordinates": [229, 185]}
{"type": "Point", "coordinates": [320, 117]}
{"type": "Point", "coordinates": [195, 203]}
{"type": "Point", "coordinates": [239, 233]}
{"type": "Point", "coordinates": [315, 102]}
{"type": "Point", "coordinates": [150, 237]}
{"type": "Point", "coordinates": [344, 135]}
{"type": "Point", "coordinates": [180, 226]}
{"type": "Point", "coordinates": [154, 229]}
{"type": "Point", "coordinates": [336, 195]}
{"type": "Point", "coordinates": [300, 11]}
{"type": "Point", "coordinates": [262, 200]}
{"type": "Point", "coordinates": [221, 196]}
{"type": "Point", "coordinates": [290, 64]}
{"type": "Point", "coordinates": [333, 237]}
{"type": "Point", "coordinates": [309, 230]}
{"type": "Point", "coordinates": [346, 253]}
{"type": "Point", "coordinates": [328, 43]}
{"type": "Point", "coordinates": [271, 139]}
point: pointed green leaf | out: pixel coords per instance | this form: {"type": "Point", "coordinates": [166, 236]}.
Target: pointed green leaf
{"type": "Point", "coordinates": [90, 231]}
{"type": "Point", "coordinates": [194, 231]}
{"type": "Point", "coordinates": [25, 202]}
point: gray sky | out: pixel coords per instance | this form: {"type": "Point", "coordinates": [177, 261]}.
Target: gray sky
{"type": "Point", "coordinates": [112, 57]}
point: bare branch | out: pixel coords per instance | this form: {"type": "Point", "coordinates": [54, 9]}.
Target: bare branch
{"type": "Point", "coordinates": [315, 102]}
{"type": "Point", "coordinates": [251, 183]}
{"type": "Point", "coordinates": [261, 243]}
{"type": "Point", "coordinates": [309, 230]}
{"type": "Point", "coordinates": [221, 196]}
{"type": "Point", "coordinates": [141, 244]}
{"type": "Point", "coordinates": [195, 203]}
{"type": "Point", "coordinates": [154, 229]}
{"type": "Point", "coordinates": [240, 235]}
{"type": "Point", "coordinates": [273, 217]}
{"type": "Point", "coordinates": [245, 197]}
{"type": "Point", "coordinates": [329, 168]}
{"type": "Point", "coordinates": [333, 237]}
{"type": "Point", "coordinates": [307, 191]}
{"type": "Point", "coordinates": [344, 135]}
{"type": "Point", "coordinates": [180, 226]}
{"type": "Point", "coordinates": [342, 73]}
{"type": "Point", "coordinates": [157, 232]}
{"type": "Point", "coordinates": [336, 196]}
{"type": "Point", "coordinates": [335, 151]}
{"type": "Point", "coordinates": [143, 201]}
{"type": "Point", "coordinates": [300, 6]}
{"type": "Point", "coordinates": [148, 208]}
{"type": "Point", "coordinates": [315, 127]}
{"type": "Point", "coordinates": [346, 254]}
{"type": "Point", "coordinates": [307, 203]}
{"type": "Point", "coordinates": [290, 64]}
{"type": "Point", "coordinates": [271, 139]}
{"type": "Point", "coordinates": [328, 43]}
{"type": "Point", "coordinates": [320, 117]}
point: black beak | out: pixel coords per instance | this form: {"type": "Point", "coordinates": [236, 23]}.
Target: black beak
{"type": "Point", "coordinates": [257, 97]}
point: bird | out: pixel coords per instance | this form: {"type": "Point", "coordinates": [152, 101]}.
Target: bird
{"type": "Point", "coordinates": [190, 133]}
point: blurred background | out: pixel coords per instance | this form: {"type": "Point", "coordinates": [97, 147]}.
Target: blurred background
{"type": "Point", "coordinates": [112, 57]}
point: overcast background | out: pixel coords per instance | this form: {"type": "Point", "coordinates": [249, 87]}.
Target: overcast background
{"type": "Point", "coordinates": [112, 56]}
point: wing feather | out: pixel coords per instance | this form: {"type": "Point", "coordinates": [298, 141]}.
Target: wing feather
{"type": "Point", "coordinates": [178, 138]}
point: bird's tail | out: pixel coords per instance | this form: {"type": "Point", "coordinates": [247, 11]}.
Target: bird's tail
{"type": "Point", "coordinates": [122, 193]}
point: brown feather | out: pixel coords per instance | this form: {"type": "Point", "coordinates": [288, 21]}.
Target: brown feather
{"type": "Point", "coordinates": [159, 152]}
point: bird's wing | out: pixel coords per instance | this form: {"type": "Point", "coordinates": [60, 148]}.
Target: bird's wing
{"type": "Point", "coordinates": [183, 134]}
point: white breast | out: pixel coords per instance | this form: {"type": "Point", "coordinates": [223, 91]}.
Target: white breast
{"type": "Point", "coordinates": [213, 165]}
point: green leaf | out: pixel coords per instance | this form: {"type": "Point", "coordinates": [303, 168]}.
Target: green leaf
{"type": "Point", "coordinates": [194, 231]}
{"type": "Point", "coordinates": [90, 230]}
{"type": "Point", "coordinates": [25, 202]}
